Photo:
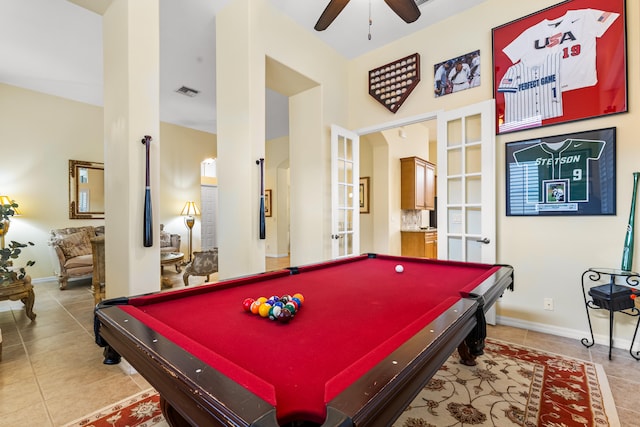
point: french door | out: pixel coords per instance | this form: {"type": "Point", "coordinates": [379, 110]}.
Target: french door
{"type": "Point", "coordinates": [345, 190]}
{"type": "Point", "coordinates": [466, 185]}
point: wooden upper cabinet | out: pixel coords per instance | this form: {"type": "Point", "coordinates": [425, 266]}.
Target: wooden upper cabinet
{"type": "Point", "coordinates": [417, 184]}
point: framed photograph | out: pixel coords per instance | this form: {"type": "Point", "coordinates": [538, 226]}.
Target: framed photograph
{"type": "Point", "coordinates": [547, 64]}
{"type": "Point", "coordinates": [571, 174]}
{"type": "Point", "coordinates": [364, 195]}
{"type": "Point", "coordinates": [456, 74]}
{"type": "Point", "coordinates": [267, 202]}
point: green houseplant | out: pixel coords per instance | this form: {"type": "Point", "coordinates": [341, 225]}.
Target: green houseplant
{"type": "Point", "coordinates": [13, 250]}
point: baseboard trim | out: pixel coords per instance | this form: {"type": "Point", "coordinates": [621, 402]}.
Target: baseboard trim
{"type": "Point", "coordinates": [44, 279]}
{"type": "Point", "coordinates": [619, 343]}
{"type": "Point", "coordinates": [55, 279]}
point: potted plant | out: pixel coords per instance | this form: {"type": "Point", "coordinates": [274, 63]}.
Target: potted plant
{"type": "Point", "coordinates": [13, 250]}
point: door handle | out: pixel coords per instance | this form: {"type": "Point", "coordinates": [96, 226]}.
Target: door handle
{"type": "Point", "coordinates": [484, 240]}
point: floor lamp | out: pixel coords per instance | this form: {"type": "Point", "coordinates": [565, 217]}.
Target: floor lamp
{"type": "Point", "coordinates": [190, 209]}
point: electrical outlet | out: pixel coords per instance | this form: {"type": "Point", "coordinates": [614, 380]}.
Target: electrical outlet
{"type": "Point", "coordinates": [548, 304]}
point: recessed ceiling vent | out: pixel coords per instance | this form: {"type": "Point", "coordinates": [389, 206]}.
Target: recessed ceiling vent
{"type": "Point", "coordinates": [188, 91]}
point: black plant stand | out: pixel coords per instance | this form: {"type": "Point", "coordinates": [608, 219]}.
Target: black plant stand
{"type": "Point", "coordinates": [613, 296]}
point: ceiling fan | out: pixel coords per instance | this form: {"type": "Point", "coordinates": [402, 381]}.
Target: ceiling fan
{"type": "Point", "coordinates": [405, 9]}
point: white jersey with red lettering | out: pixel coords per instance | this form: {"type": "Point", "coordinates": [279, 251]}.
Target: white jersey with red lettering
{"type": "Point", "coordinates": [574, 35]}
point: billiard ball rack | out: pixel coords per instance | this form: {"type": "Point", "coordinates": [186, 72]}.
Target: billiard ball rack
{"type": "Point", "coordinates": [392, 83]}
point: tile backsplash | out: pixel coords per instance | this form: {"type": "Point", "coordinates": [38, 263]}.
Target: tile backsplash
{"type": "Point", "coordinates": [413, 219]}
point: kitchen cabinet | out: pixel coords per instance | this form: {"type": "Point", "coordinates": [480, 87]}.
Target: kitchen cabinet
{"type": "Point", "coordinates": [421, 244]}
{"type": "Point", "coordinates": [417, 184]}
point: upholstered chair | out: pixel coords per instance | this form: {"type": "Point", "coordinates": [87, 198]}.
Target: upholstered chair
{"type": "Point", "coordinates": [204, 263]}
{"type": "Point", "coordinates": [72, 252]}
{"type": "Point", "coordinates": [169, 242]}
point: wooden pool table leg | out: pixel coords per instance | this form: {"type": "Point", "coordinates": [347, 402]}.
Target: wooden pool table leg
{"type": "Point", "coordinates": [473, 345]}
{"type": "Point", "coordinates": [466, 358]}
{"type": "Point", "coordinates": [173, 417]}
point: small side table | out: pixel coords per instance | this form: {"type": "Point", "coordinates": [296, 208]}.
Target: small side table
{"type": "Point", "coordinates": [171, 258]}
{"type": "Point", "coordinates": [614, 296]}
{"type": "Point", "coordinates": [22, 290]}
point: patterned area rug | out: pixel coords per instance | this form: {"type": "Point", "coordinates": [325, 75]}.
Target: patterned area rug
{"type": "Point", "coordinates": [514, 386]}
{"type": "Point", "coordinates": [139, 410]}
{"type": "Point", "coordinates": [510, 386]}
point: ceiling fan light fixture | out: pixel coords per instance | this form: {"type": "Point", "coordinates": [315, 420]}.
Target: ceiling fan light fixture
{"type": "Point", "coordinates": [184, 90]}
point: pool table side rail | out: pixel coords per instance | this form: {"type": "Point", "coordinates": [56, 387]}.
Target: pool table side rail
{"type": "Point", "coordinates": [382, 394]}
{"type": "Point", "coordinates": [492, 288]}
{"type": "Point", "coordinates": [188, 292]}
{"type": "Point", "coordinates": [172, 372]}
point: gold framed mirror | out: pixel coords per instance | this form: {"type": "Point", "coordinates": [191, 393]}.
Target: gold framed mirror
{"type": "Point", "coordinates": [86, 190]}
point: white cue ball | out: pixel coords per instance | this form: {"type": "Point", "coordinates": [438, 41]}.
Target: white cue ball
{"type": "Point", "coordinates": [399, 268]}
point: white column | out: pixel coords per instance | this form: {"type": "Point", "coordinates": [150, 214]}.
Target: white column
{"type": "Point", "coordinates": [131, 111]}
{"type": "Point", "coordinates": [240, 89]}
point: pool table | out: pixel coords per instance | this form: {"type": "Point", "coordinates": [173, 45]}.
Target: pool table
{"type": "Point", "coordinates": [364, 342]}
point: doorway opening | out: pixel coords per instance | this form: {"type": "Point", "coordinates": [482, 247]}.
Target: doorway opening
{"type": "Point", "coordinates": [381, 147]}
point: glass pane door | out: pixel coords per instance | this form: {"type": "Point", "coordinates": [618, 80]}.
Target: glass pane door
{"type": "Point", "coordinates": [345, 189]}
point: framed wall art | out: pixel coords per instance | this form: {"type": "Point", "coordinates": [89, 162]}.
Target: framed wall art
{"type": "Point", "coordinates": [548, 64]}
{"type": "Point", "coordinates": [267, 202]}
{"type": "Point", "coordinates": [571, 174]}
{"type": "Point", "coordinates": [456, 74]}
{"type": "Point", "coordinates": [364, 195]}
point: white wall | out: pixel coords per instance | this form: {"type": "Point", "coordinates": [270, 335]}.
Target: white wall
{"type": "Point", "coordinates": [277, 160]}
{"type": "Point", "coordinates": [260, 33]}
{"type": "Point", "coordinates": [549, 254]}
{"type": "Point", "coordinates": [40, 133]}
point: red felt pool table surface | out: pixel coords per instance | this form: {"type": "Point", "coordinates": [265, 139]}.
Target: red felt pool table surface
{"type": "Point", "coordinates": [356, 313]}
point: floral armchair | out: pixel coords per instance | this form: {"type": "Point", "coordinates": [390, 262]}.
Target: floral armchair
{"type": "Point", "coordinates": [204, 263]}
{"type": "Point", "coordinates": [72, 252]}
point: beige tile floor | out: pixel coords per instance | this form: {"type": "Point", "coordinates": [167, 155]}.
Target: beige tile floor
{"type": "Point", "coordinates": [51, 371]}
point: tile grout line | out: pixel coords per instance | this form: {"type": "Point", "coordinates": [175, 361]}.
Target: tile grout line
{"type": "Point", "coordinates": [33, 371]}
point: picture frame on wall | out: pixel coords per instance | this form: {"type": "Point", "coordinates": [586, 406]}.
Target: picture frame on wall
{"type": "Point", "coordinates": [570, 174]}
{"type": "Point", "coordinates": [456, 74]}
{"type": "Point", "coordinates": [364, 195]}
{"type": "Point", "coordinates": [548, 64]}
{"type": "Point", "coordinates": [267, 202]}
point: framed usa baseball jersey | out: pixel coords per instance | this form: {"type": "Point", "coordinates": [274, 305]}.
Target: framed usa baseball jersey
{"type": "Point", "coordinates": [571, 174]}
{"type": "Point", "coordinates": [548, 63]}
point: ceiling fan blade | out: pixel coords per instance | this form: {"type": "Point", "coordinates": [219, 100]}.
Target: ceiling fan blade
{"type": "Point", "coordinates": [405, 9]}
{"type": "Point", "coordinates": [330, 13]}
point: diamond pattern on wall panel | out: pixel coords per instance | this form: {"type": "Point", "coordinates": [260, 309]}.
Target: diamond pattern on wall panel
{"type": "Point", "coordinates": [392, 83]}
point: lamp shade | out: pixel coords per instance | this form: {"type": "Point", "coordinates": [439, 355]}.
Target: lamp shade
{"type": "Point", "coordinates": [6, 200]}
{"type": "Point", "coordinates": [190, 209]}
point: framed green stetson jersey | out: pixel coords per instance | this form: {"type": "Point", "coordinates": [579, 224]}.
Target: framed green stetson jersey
{"type": "Point", "coordinates": [570, 174]}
